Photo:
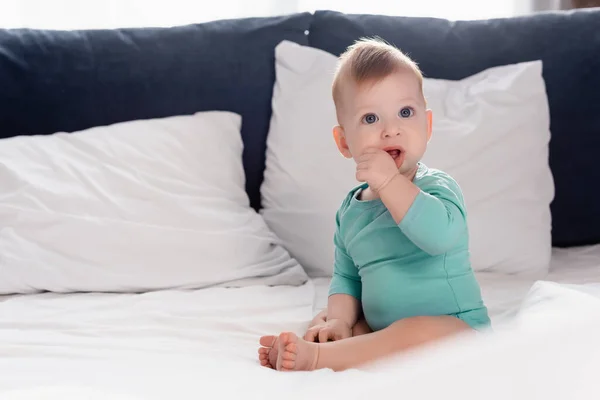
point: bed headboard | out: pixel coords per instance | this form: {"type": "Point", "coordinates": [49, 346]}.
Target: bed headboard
{"type": "Point", "coordinates": [64, 81]}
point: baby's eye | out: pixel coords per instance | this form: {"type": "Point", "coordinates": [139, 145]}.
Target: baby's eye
{"type": "Point", "coordinates": [370, 118]}
{"type": "Point", "coordinates": [406, 112]}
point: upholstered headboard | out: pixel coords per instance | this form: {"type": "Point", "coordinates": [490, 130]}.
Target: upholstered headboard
{"type": "Point", "coordinates": [65, 81]}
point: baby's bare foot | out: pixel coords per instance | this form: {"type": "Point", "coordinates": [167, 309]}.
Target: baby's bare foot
{"type": "Point", "coordinates": [296, 354]}
{"type": "Point", "coordinates": [267, 354]}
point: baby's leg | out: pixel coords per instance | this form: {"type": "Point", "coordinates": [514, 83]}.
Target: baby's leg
{"type": "Point", "coordinates": [298, 354]}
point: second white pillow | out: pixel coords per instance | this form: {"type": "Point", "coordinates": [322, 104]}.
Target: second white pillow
{"type": "Point", "coordinates": [491, 133]}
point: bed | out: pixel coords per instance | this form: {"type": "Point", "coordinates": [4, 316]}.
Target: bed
{"type": "Point", "coordinates": [203, 343]}
{"type": "Point", "coordinates": [147, 195]}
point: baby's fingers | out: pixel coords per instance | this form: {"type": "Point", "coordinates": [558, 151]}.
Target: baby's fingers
{"type": "Point", "coordinates": [341, 335]}
{"type": "Point", "coordinates": [311, 334]}
{"type": "Point", "coordinates": [361, 175]}
{"type": "Point", "coordinates": [325, 335]}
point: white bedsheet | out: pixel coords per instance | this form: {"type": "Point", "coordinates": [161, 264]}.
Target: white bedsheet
{"type": "Point", "coordinates": [198, 344]}
{"type": "Point", "coordinates": [147, 344]}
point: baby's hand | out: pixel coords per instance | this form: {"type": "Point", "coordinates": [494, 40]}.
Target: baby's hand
{"type": "Point", "coordinates": [334, 329]}
{"type": "Point", "coordinates": [376, 167]}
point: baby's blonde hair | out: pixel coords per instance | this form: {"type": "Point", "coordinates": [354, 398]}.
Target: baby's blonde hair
{"type": "Point", "coordinates": [369, 60]}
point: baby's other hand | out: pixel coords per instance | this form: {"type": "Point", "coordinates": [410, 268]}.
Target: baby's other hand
{"type": "Point", "coordinates": [332, 330]}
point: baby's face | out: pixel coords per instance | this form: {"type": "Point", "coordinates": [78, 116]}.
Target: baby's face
{"type": "Point", "coordinates": [389, 115]}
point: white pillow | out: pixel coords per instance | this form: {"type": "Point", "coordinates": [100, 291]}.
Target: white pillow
{"type": "Point", "coordinates": [490, 132]}
{"type": "Point", "coordinates": [135, 206]}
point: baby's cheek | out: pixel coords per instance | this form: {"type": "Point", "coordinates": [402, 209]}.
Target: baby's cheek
{"type": "Point", "coordinates": [357, 145]}
{"type": "Point", "coordinates": [422, 148]}
{"type": "Point", "coordinates": [368, 140]}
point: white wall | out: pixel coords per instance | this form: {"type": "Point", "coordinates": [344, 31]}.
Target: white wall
{"type": "Point", "coordinates": [81, 14]}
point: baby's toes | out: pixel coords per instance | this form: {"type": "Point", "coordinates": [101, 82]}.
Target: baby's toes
{"type": "Point", "coordinates": [265, 363]}
{"type": "Point", "coordinates": [268, 341]}
{"type": "Point", "coordinates": [289, 356]}
{"type": "Point", "coordinates": [291, 348]}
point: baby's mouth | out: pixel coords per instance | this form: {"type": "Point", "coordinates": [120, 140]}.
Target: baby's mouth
{"type": "Point", "coordinates": [397, 155]}
{"type": "Point", "coordinates": [394, 153]}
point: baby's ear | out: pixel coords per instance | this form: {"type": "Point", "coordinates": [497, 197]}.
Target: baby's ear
{"type": "Point", "coordinates": [340, 141]}
{"type": "Point", "coordinates": [429, 124]}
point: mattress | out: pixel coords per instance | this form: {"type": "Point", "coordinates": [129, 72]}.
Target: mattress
{"type": "Point", "coordinates": [192, 344]}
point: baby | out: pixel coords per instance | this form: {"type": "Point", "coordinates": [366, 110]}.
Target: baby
{"type": "Point", "coordinates": [401, 243]}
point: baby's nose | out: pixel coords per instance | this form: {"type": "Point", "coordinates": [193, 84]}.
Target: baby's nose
{"type": "Point", "coordinates": [391, 132]}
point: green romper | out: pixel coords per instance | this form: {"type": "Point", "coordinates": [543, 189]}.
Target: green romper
{"type": "Point", "coordinates": [419, 267]}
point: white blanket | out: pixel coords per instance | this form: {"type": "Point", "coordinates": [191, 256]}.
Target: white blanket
{"type": "Point", "coordinates": [203, 344]}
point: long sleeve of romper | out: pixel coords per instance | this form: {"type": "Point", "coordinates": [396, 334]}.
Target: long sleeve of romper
{"type": "Point", "coordinates": [345, 279]}
{"type": "Point", "coordinates": [437, 218]}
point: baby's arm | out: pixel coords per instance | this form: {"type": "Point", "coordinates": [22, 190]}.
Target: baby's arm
{"type": "Point", "coordinates": [433, 217]}
{"type": "Point", "coordinates": [344, 308]}
{"type": "Point", "coordinates": [343, 305]}
{"type": "Point", "coordinates": [345, 288]}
